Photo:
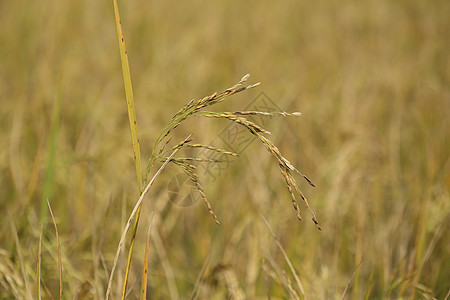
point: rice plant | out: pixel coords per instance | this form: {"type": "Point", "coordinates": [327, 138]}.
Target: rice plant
{"type": "Point", "coordinates": [164, 154]}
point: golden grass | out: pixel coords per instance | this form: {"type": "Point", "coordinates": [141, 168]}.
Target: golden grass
{"type": "Point", "coordinates": [27, 293]}
{"type": "Point", "coordinates": [370, 78]}
{"type": "Point", "coordinates": [145, 267]}
{"type": "Point", "coordinates": [59, 251]}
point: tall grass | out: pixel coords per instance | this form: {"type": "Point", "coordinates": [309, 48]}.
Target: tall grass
{"type": "Point", "coordinates": [370, 78]}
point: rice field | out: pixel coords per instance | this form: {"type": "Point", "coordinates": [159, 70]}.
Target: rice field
{"type": "Point", "coordinates": [354, 95]}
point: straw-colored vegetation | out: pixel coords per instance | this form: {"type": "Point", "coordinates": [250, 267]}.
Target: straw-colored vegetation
{"type": "Point", "coordinates": [371, 79]}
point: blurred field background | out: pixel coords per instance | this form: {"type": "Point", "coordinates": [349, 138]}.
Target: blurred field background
{"type": "Point", "coordinates": [372, 79]}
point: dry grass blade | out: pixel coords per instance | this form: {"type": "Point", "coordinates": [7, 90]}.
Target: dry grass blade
{"type": "Point", "coordinates": [39, 267]}
{"type": "Point", "coordinates": [47, 290]}
{"type": "Point", "coordinates": [448, 295]}
{"type": "Point", "coordinates": [266, 280]}
{"type": "Point", "coordinates": [145, 269]}
{"type": "Point", "coordinates": [169, 274]}
{"type": "Point", "coordinates": [200, 276]}
{"type": "Point", "coordinates": [286, 257]}
{"type": "Point", "coordinates": [232, 284]}
{"type": "Point", "coordinates": [279, 276]}
{"type": "Point", "coordinates": [22, 265]}
{"type": "Point", "coordinates": [130, 219]}
{"type": "Point", "coordinates": [288, 285]}
{"type": "Point", "coordinates": [350, 281]}
{"type": "Point", "coordinates": [59, 250]}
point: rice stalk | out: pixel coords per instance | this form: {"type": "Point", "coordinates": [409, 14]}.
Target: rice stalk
{"type": "Point", "coordinates": [133, 127]}
{"type": "Point", "coordinates": [145, 268]}
{"type": "Point", "coordinates": [130, 219]}
{"type": "Point", "coordinates": [128, 94]}
{"type": "Point", "coordinates": [350, 280]}
{"type": "Point", "coordinates": [286, 257]}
